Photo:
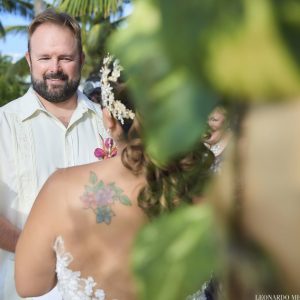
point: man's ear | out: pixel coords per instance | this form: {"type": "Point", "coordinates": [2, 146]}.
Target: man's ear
{"type": "Point", "coordinates": [28, 59]}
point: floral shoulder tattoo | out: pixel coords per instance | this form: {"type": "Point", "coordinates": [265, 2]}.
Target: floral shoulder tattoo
{"type": "Point", "coordinates": [101, 197]}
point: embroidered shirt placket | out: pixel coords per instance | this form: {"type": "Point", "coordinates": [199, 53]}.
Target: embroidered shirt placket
{"type": "Point", "coordinates": [25, 165]}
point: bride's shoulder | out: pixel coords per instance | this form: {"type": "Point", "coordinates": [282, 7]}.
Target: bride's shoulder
{"type": "Point", "coordinates": [103, 165]}
{"type": "Point", "coordinates": [71, 174]}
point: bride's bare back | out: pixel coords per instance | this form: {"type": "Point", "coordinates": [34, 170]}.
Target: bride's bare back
{"type": "Point", "coordinates": [94, 209]}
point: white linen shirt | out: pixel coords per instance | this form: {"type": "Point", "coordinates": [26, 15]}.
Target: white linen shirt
{"type": "Point", "coordinates": [33, 144]}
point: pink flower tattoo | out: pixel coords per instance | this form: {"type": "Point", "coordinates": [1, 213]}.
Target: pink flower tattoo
{"type": "Point", "coordinates": [100, 198]}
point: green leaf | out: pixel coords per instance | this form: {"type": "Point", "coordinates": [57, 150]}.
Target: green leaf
{"type": "Point", "coordinates": [252, 61]}
{"type": "Point", "coordinates": [125, 200]}
{"type": "Point", "coordinates": [99, 186]}
{"type": "Point", "coordinates": [176, 254]}
{"type": "Point", "coordinates": [89, 189]}
{"type": "Point", "coordinates": [116, 189]}
{"type": "Point", "coordinates": [112, 185]}
{"type": "Point", "coordinates": [179, 103]}
{"type": "Point", "coordinates": [93, 178]}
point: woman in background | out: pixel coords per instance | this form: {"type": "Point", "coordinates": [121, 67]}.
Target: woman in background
{"type": "Point", "coordinates": [219, 135]}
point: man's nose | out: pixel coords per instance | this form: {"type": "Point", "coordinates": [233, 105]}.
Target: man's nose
{"type": "Point", "coordinates": [55, 66]}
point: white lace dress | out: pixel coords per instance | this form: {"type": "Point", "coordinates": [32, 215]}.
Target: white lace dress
{"type": "Point", "coordinates": [69, 283]}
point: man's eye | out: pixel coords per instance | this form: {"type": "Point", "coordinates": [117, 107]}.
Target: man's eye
{"type": "Point", "coordinates": [44, 58]}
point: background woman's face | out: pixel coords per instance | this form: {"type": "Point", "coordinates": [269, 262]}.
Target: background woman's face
{"type": "Point", "coordinates": [216, 120]}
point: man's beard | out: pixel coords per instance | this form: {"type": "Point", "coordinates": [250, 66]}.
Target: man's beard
{"type": "Point", "coordinates": [59, 93]}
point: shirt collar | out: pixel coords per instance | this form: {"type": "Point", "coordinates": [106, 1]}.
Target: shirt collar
{"type": "Point", "coordinates": [85, 103]}
{"type": "Point", "coordinates": [30, 104]}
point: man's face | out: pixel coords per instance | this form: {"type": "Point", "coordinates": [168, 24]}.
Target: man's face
{"type": "Point", "coordinates": [55, 62]}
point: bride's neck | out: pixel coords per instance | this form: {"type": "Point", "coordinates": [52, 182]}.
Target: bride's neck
{"type": "Point", "coordinates": [120, 147]}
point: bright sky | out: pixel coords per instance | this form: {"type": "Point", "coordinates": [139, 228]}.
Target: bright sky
{"type": "Point", "coordinates": [14, 44]}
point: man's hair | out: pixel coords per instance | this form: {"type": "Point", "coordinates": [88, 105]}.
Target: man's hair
{"type": "Point", "coordinates": [58, 18]}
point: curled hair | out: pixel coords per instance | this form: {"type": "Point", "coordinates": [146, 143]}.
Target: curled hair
{"type": "Point", "coordinates": [133, 156]}
{"type": "Point", "coordinates": [58, 18]}
{"type": "Point", "coordinates": [178, 182]}
{"type": "Point", "coordinates": [166, 187]}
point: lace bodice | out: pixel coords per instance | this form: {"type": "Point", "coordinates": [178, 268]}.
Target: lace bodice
{"type": "Point", "coordinates": [69, 283]}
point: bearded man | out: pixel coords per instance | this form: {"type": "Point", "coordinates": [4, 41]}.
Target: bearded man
{"type": "Point", "coordinates": [52, 126]}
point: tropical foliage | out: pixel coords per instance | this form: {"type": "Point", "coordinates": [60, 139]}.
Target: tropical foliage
{"type": "Point", "coordinates": [16, 72]}
{"type": "Point", "coordinates": [182, 56]}
{"type": "Point", "coordinates": [215, 49]}
{"type": "Point", "coordinates": [94, 19]}
{"type": "Point", "coordinates": [96, 27]}
{"type": "Point", "coordinates": [18, 7]}
{"type": "Point", "coordinates": [176, 254]}
{"type": "Point", "coordinates": [11, 86]}
{"type": "Point", "coordinates": [87, 7]}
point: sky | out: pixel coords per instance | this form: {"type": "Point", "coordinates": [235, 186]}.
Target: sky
{"type": "Point", "coordinates": [14, 45]}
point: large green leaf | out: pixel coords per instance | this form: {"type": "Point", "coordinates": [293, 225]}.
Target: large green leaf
{"type": "Point", "coordinates": [180, 104]}
{"type": "Point", "coordinates": [175, 254]}
{"type": "Point", "coordinates": [187, 25]}
{"type": "Point", "coordinates": [287, 14]}
{"type": "Point", "coordinates": [252, 61]}
{"type": "Point", "coordinates": [173, 104]}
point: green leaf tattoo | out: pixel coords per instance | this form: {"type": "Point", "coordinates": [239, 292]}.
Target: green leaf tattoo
{"type": "Point", "coordinates": [100, 198]}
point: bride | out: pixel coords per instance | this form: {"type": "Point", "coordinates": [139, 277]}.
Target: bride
{"type": "Point", "coordinates": [81, 229]}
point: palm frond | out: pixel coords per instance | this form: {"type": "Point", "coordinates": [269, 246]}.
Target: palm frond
{"type": "Point", "coordinates": [18, 7]}
{"type": "Point", "coordinates": [16, 29]}
{"type": "Point", "coordinates": [2, 31]}
{"type": "Point", "coordinates": [79, 8]}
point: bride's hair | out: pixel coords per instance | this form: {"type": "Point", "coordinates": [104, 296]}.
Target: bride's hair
{"type": "Point", "coordinates": [179, 181]}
